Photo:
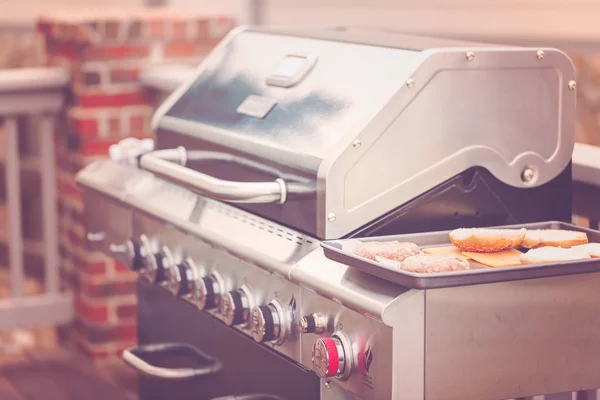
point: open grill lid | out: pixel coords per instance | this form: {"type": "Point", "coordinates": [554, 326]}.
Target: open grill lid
{"type": "Point", "coordinates": [328, 130]}
{"type": "Point", "coordinates": [277, 96]}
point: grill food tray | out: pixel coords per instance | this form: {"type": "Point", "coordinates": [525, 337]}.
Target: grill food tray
{"type": "Point", "coordinates": [479, 274]}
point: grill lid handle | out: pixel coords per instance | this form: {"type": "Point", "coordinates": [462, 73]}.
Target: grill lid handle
{"type": "Point", "coordinates": [170, 164]}
{"type": "Point", "coordinates": [135, 358]}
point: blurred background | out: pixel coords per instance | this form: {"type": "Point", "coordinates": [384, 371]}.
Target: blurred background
{"type": "Point", "coordinates": [78, 75]}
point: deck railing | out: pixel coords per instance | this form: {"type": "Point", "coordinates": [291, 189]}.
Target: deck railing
{"type": "Point", "coordinates": [38, 94]}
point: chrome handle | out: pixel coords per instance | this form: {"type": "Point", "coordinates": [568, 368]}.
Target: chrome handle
{"type": "Point", "coordinates": [170, 164]}
{"type": "Point", "coordinates": [153, 371]}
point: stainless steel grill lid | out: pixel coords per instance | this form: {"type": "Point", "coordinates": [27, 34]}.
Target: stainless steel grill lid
{"type": "Point", "coordinates": [326, 131]}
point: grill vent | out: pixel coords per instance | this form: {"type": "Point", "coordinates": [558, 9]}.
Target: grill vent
{"type": "Point", "coordinates": [263, 225]}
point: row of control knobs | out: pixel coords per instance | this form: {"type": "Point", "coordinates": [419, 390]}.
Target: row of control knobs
{"type": "Point", "coordinates": [181, 279]}
{"type": "Point", "coordinates": [331, 355]}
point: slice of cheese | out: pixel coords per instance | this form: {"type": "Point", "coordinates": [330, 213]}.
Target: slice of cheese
{"type": "Point", "coordinates": [499, 259]}
{"type": "Point", "coordinates": [449, 250]}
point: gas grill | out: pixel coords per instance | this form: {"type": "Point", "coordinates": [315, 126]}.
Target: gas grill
{"type": "Point", "coordinates": [288, 138]}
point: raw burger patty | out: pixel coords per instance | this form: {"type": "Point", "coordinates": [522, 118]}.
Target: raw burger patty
{"type": "Point", "coordinates": [428, 263]}
{"type": "Point", "coordinates": [395, 250]}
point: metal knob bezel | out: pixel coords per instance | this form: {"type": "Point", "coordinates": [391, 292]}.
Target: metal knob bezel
{"type": "Point", "coordinates": [182, 277]}
{"type": "Point", "coordinates": [166, 266]}
{"type": "Point", "coordinates": [343, 348]}
{"type": "Point", "coordinates": [149, 264]}
{"type": "Point", "coordinates": [208, 291]}
{"type": "Point", "coordinates": [313, 323]}
{"type": "Point", "coordinates": [236, 306]}
{"type": "Point", "coordinates": [268, 323]}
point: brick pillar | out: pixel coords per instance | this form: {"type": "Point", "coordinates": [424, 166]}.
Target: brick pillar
{"type": "Point", "coordinates": [105, 54]}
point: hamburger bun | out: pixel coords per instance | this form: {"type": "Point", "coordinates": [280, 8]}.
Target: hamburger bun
{"type": "Point", "coordinates": [554, 238]}
{"type": "Point", "coordinates": [483, 240]}
{"type": "Point", "coordinates": [549, 254]}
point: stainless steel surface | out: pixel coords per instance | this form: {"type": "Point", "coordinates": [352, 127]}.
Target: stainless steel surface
{"type": "Point", "coordinates": [512, 131]}
{"type": "Point", "coordinates": [362, 334]}
{"type": "Point", "coordinates": [406, 316]}
{"type": "Point", "coordinates": [248, 236]}
{"type": "Point", "coordinates": [512, 339]}
{"type": "Point", "coordinates": [311, 117]}
{"type": "Point", "coordinates": [164, 163]}
{"type": "Point", "coordinates": [354, 289]}
{"type": "Point", "coordinates": [154, 371]}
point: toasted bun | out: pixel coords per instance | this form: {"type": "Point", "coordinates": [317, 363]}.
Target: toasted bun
{"type": "Point", "coordinates": [553, 237]}
{"type": "Point", "coordinates": [552, 254]}
{"type": "Point", "coordinates": [431, 263]}
{"type": "Point", "coordinates": [593, 249]}
{"type": "Point", "coordinates": [482, 240]}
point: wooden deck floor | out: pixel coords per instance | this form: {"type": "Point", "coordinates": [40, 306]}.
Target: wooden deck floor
{"type": "Point", "coordinates": [59, 376]}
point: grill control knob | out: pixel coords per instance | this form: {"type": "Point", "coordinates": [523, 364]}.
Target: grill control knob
{"type": "Point", "coordinates": [332, 357]}
{"type": "Point", "coordinates": [207, 294]}
{"type": "Point", "coordinates": [165, 263]}
{"type": "Point", "coordinates": [149, 262]}
{"type": "Point", "coordinates": [236, 306]}
{"type": "Point", "coordinates": [129, 252]}
{"type": "Point", "coordinates": [155, 264]}
{"type": "Point", "coordinates": [181, 278]}
{"type": "Point", "coordinates": [268, 323]}
{"type": "Point", "coordinates": [314, 323]}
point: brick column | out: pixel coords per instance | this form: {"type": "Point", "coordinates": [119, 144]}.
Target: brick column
{"type": "Point", "coordinates": [105, 54]}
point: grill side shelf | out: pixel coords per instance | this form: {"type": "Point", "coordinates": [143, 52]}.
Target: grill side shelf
{"type": "Point", "coordinates": [333, 249]}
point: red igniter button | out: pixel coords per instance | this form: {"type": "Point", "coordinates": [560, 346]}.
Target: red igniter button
{"type": "Point", "coordinates": [328, 357]}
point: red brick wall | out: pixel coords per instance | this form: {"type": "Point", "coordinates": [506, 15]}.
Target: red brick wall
{"type": "Point", "coordinates": [105, 54]}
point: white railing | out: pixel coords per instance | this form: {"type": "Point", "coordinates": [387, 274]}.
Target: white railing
{"type": "Point", "coordinates": [33, 93]}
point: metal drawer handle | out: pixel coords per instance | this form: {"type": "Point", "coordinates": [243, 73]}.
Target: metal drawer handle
{"type": "Point", "coordinates": [213, 365]}
{"type": "Point", "coordinates": [170, 164]}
